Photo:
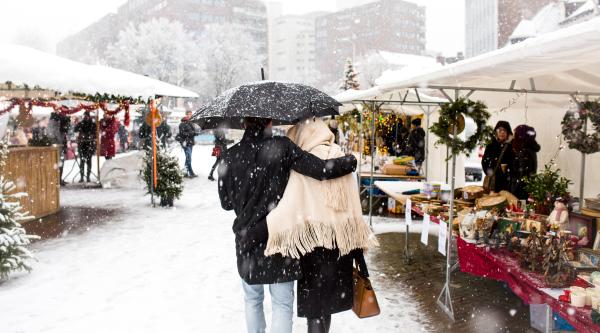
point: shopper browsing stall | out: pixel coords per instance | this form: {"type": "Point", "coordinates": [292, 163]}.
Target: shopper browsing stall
{"type": "Point", "coordinates": [525, 148]}
{"type": "Point", "coordinates": [416, 142]}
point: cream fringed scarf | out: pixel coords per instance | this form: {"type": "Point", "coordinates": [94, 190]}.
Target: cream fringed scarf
{"type": "Point", "coordinates": [316, 213]}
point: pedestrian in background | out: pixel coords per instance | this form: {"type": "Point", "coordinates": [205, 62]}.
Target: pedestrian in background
{"type": "Point", "coordinates": [416, 143]}
{"type": "Point", "coordinates": [109, 125]}
{"type": "Point", "coordinates": [186, 136]}
{"type": "Point", "coordinates": [525, 163]}
{"type": "Point", "coordinates": [498, 158]}
{"type": "Point", "coordinates": [86, 144]}
{"type": "Point", "coordinates": [220, 146]}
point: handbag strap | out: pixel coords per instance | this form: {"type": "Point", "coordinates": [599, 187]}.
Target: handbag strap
{"type": "Point", "coordinates": [500, 159]}
{"type": "Point", "coordinates": [361, 264]}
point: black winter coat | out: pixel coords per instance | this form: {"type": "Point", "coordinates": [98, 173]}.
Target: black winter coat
{"type": "Point", "coordinates": [326, 286]}
{"type": "Point", "coordinates": [86, 140]}
{"type": "Point", "coordinates": [490, 160]}
{"type": "Point", "coordinates": [187, 133]}
{"type": "Point", "coordinates": [416, 145]}
{"type": "Point", "coordinates": [524, 165]}
{"type": "Point", "coordinates": [253, 175]}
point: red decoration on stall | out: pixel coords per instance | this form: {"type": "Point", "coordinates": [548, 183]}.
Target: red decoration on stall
{"type": "Point", "coordinates": [65, 110]}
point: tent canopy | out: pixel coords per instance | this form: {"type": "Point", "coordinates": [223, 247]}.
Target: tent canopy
{"type": "Point", "coordinates": [409, 103]}
{"type": "Point", "coordinates": [25, 66]}
{"type": "Point", "coordinates": [563, 61]}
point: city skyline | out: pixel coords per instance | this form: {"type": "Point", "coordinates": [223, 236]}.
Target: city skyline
{"type": "Point", "coordinates": [54, 23]}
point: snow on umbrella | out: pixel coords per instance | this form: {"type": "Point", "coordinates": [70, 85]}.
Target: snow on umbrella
{"type": "Point", "coordinates": [285, 103]}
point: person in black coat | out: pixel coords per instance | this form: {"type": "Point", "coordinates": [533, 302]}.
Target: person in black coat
{"type": "Point", "coordinates": [186, 136]}
{"type": "Point", "coordinates": [253, 175]}
{"type": "Point", "coordinates": [86, 144]}
{"type": "Point", "coordinates": [500, 176]}
{"type": "Point", "coordinates": [416, 142]}
{"type": "Point", "coordinates": [524, 165]}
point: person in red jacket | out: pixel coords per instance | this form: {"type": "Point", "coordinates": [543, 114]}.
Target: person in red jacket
{"type": "Point", "coordinates": [109, 126]}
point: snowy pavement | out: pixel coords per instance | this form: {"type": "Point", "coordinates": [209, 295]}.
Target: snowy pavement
{"type": "Point", "coordinates": [158, 270]}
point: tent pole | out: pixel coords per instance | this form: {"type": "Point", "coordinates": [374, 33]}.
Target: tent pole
{"type": "Point", "coordinates": [360, 147]}
{"type": "Point", "coordinates": [427, 145]}
{"type": "Point", "coordinates": [444, 301]}
{"type": "Point", "coordinates": [582, 174]}
{"type": "Point", "coordinates": [98, 143]}
{"type": "Point", "coordinates": [371, 185]}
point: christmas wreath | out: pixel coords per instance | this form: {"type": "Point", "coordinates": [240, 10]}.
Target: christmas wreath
{"type": "Point", "coordinates": [572, 128]}
{"type": "Point", "coordinates": [450, 113]}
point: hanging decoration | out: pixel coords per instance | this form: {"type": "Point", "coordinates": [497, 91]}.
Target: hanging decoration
{"type": "Point", "coordinates": [573, 127]}
{"type": "Point", "coordinates": [450, 113]}
{"type": "Point", "coordinates": [27, 105]}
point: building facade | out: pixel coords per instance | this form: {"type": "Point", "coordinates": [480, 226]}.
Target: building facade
{"type": "Point", "coordinates": [293, 49]}
{"type": "Point", "coordinates": [388, 25]}
{"type": "Point", "coordinates": [489, 23]}
{"type": "Point", "coordinates": [195, 15]}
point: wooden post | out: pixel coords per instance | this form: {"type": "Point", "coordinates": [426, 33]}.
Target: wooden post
{"type": "Point", "coordinates": [154, 160]}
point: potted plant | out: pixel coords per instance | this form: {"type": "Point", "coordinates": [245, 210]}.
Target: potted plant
{"type": "Point", "coordinates": [170, 176]}
{"type": "Point", "coordinates": [545, 187]}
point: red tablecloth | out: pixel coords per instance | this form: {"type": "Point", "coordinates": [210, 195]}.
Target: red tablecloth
{"type": "Point", "coordinates": [500, 265]}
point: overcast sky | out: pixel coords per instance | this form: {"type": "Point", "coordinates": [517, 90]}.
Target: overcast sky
{"type": "Point", "coordinates": [45, 22]}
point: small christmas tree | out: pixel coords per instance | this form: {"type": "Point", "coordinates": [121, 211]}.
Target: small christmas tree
{"type": "Point", "coordinates": [14, 255]}
{"type": "Point", "coordinates": [350, 77]}
{"type": "Point", "coordinates": [170, 176]}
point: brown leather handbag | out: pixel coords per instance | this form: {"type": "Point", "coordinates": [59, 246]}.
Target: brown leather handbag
{"type": "Point", "coordinates": [365, 302]}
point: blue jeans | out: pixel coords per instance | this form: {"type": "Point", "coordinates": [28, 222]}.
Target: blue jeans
{"type": "Point", "coordinates": [282, 299]}
{"type": "Point", "coordinates": [187, 149]}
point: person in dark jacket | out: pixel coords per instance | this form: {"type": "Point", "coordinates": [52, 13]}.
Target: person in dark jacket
{"type": "Point", "coordinates": [253, 175]}
{"type": "Point", "coordinates": [220, 146]}
{"type": "Point", "coordinates": [524, 165]}
{"type": "Point", "coordinates": [499, 172]}
{"type": "Point", "coordinates": [416, 143]}
{"type": "Point", "coordinates": [123, 138]}
{"type": "Point", "coordinates": [186, 136]}
{"type": "Point", "coordinates": [86, 144]}
{"type": "Point", "coordinates": [163, 132]}
{"type": "Point", "coordinates": [58, 128]}
{"type": "Point", "coordinates": [396, 141]}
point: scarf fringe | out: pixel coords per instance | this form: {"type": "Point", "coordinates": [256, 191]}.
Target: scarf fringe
{"type": "Point", "coordinates": [346, 235]}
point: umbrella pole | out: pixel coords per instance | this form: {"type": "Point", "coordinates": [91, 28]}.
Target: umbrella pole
{"type": "Point", "coordinates": [371, 185]}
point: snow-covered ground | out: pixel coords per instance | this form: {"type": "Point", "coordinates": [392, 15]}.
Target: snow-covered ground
{"type": "Point", "coordinates": [159, 270]}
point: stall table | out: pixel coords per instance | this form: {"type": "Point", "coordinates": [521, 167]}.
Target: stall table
{"type": "Point", "coordinates": [369, 189]}
{"type": "Point", "coordinates": [501, 265]}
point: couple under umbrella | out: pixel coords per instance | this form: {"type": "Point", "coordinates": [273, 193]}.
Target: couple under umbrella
{"type": "Point", "coordinates": [298, 213]}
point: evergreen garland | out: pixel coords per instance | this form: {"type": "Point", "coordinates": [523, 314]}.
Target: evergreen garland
{"type": "Point", "coordinates": [448, 115]}
{"type": "Point", "coordinates": [170, 176]}
{"type": "Point", "coordinates": [14, 255]}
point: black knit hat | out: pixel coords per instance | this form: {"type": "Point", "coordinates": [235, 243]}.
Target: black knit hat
{"type": "Point", "coordinates": [503, 124]}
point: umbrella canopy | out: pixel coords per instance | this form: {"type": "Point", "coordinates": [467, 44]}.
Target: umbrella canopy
{"type": "Point", "coordinates": [284, 102]}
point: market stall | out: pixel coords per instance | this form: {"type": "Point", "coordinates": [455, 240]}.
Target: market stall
{"type": "Point", "coordinates": [539, 82]}
{"type": "Point", "coordinates": [32, 79]}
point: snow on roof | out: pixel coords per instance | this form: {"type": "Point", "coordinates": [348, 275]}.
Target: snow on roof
{"type": "Point", "coordinates": [525, 29]}
{"type": "Point", "coordinates": [25, 66]}
{"type": "Point", "coordinates": [588, 6]}
{"type": "Point", "coordinates": [403, 59]}
{"type": "Point", "coordinates": [565, 60]}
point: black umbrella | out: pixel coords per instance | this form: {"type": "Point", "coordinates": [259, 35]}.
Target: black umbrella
{"type": "Point", "coordinates": [285, 103]}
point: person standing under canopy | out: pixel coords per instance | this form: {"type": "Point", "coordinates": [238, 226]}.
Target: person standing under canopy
{"type": "Point", "coordinates": [109, 125]}
{"type": "Point", "coordinates": [86, 144]}
{"type": "Point", "coordinates": [416, 143]}
{"type": "Point", "coordinates": [498, 158]}
{"type": "Point", "coordinates": [525, 163]}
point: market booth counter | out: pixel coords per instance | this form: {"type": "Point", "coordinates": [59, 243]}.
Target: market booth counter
{"type": "Point", "coordinates": [34, 170]}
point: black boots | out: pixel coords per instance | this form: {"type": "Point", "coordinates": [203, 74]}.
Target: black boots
{"type": "Point", "coordinates": [319, 325]}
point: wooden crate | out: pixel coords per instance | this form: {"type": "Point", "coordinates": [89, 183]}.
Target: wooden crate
{"type": "Point", "coordinates": [35, 171]}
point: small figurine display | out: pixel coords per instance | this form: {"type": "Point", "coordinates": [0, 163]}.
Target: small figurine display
{"type": "Point", "coordinates": [557, 272]}
{"type": "Point", "coordinates": [530, 254]}
{"type": "Point", "coordinates": [559, 218]}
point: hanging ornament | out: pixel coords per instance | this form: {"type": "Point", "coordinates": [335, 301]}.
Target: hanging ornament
{"type": "Point", "coordinates": [573, 128]}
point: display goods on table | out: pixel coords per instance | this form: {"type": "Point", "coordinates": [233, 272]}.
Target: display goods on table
{"type": "Point", "coordinates": [503, 238]}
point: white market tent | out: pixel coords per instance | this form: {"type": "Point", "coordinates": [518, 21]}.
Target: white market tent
{"type": "Point", "coordinates": [21, 65]}
{"type": "Point", "coordinates": [408, 103]}
{"type": "Point", "coordinates": [533, 82]}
